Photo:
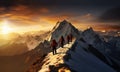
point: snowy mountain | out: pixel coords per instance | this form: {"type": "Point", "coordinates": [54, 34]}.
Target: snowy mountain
{"type": "Point", "coordinates": [81, 58]}
{"type": "Point", "coordinates": [91, 43]}
{"type": "Point", "coordinates": [90, 36]}
{"type": "Point", "coordinates": [115, 42]}
{"type": "Point", "coordinates": [88, 52]}
{"type": "Point", "coordinates": [106, 51]}
{"type": "Point", "coordinates": [94, 39]}
{"type": "Point", "coordinates": [77, 56]}
{"type": "Point", "coordinates": [115, 51]}
{"type": "Point", "coordinates": [55, 63]}
{"type": "Point", "coordinates": [63, 28]}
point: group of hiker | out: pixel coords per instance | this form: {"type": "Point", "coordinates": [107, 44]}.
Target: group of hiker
{"type": "Point", "coordinates": [61, 42]}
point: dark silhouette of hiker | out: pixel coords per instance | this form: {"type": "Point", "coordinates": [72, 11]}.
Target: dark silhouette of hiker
{"type": "Point", "coordinates": [61, 41]}
{"type": "Point", "coordinates": [54, 45]}
{"type": "Point", "coordinates": [68, 39]}
{"type": "Point", "coordinates": [71, 37]}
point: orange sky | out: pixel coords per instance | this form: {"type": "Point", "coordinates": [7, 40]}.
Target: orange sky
{"type": "Point", "coordinates": [22, 18]}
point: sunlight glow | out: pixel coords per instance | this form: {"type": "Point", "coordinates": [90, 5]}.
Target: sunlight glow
{"type": "Point", "coordinates": [103, 31]}
{"type": "Point", "coordinates": [5, 28]}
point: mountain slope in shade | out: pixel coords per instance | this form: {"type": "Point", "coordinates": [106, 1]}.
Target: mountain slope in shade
{"type": "Point", "coordinates": [81, 59]}
{"type": "Point", "coordinates": [114, 51]}
{"type": "Point", "coordinates": [94, 39]}
{"type": "Point", "coordinates": [108, 52]}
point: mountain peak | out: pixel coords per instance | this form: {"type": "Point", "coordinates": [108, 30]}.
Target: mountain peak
{"type": "Point", "coordinates": [90, 29]}
{"type": "Point", "coordinates": [64, 21]}
{"type": "Point", "coordinates": [91, 36]}
{"type": "Point", "coordinates": [63, 28]}
{"type": "Point", "coordinates": [60, 24]}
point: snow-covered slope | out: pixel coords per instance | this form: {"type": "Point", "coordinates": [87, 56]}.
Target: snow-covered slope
{"type": "Point", "coordinates": [54, 60]}
{"type": "Point", "coordinates": [115, 42]}
{"type": "Point", "coordinates": [80, 59]}
{"type": "Point", "coordinates": [94, 39]}
{"type": "Point", "coordinates": [63, 28]}
{"type": "Point", "coordinates": [77, 57]}
{"type": "Point", "coordinates": [103, 50]}
{"type": "Point", "coordinates": [115, 51]}
{"type": "Point", "coordinates": [90, 36]}
{"type": "Point", "coordinates": [108, 52]}
{"type": "Point", "coordinates": [89, 53]}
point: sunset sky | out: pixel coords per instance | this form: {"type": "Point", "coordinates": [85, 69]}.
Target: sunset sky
{"type": "Point", "coordinates": [30, 15]}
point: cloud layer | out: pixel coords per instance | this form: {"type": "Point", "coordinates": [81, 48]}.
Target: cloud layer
{"type": "Point", "coordinates": [48, 12]}
{"type": "Point", "coordinates": [111, 15]}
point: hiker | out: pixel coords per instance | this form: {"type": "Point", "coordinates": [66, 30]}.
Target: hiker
{"type": "Point", "coordinates": [68, 39]}
{"type": "Point", "coordinates": [54, 45]}
{"type": "Point", "coordinates": [61, 41]}
{"type": "Point", "coordinates": [71, 37]}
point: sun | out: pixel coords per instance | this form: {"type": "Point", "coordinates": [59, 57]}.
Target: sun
{"type": "Point", "coordinates": [5, 28]}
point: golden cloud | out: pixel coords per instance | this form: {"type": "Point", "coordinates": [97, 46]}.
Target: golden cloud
{"type": "Point", "coordinates": [22, 15]}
